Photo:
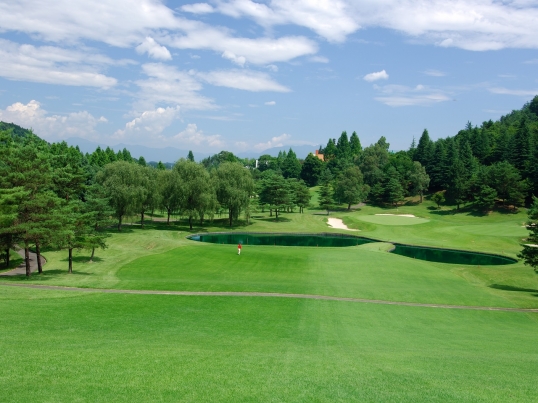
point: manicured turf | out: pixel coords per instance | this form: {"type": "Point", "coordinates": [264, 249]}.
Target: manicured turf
{"type": "Point", "coordinates": [72, 346]}
{"type": "Point", "coordinates": [392, 219]}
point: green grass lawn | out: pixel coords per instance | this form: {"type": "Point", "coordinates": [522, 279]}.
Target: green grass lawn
{"type": "Point", "coordinates": [72, 346]}
{"type": "Point", "coordinates": [64, 346]}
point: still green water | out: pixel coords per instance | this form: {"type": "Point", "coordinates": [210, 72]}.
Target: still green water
{"type": "Point", "coordinates": [333, 240]}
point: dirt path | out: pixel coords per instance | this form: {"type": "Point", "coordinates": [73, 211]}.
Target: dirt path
{"type": "Point", "coordinates": [268, 294]}
{"type": "Point", "coordinates": [21, 269]}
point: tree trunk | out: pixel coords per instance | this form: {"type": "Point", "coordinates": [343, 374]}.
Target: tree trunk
{"type": "Point", "coordinates": [270, 212]}
{"type": "Point", "coordinates": [190, 222]}
{"type": "Point", "coordinates": [7, 256]}
{"type": "Point", "coordinates": [230, 216]}
{"type": "Point", "coordinates": [70, 261]}
{"type": "Point", "coordinates": [119, 223]}
{"type": "Point", "coordinates": [93, 253]}
{"type": "Point", "coordinates": [142, 219]}
{"type": "Point", "coordinates": [349, 207]}
{"type": "Point", "coordinates": [152, 211]}
{"type": "Point", "coordinates": [421, 197]}
{"type": "Point", "coordinates": [27, 260]}
{"type": "Point", "coordinates": [276, 214]}
{"type": "Point", "coordinates": [168, 219]}
{"type": "Point", "coordinates": [38, 257]}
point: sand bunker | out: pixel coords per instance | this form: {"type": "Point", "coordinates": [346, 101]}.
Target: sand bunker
{"type": "Point", "coordinates": [401, 215]}
{"type": "Point", "coordinates": [339, 224]}
{"type": "Point", "coordinates": [531, 244]}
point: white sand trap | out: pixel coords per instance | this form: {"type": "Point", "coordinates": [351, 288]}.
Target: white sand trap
{"type": "Point", "coordinates": [401, 215]}
{"type": "Point", "coordinates": [531, 244]}
{"type": "Point", "coordinates": [339, 224]}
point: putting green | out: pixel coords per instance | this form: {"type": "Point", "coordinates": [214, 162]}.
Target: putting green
{"type": "Point", "coordinates": [392, 219]}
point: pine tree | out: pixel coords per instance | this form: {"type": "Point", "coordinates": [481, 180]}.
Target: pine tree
{"type": "Point", "coordinates": [326, 200]}
{"type": "Point", "coordinates": [529, 254]}
{"type": "Point", "coordinates": [355, 145]}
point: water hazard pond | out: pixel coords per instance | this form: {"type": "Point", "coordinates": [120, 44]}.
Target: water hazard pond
{"type": "Point", "coordinates": [342, 240]}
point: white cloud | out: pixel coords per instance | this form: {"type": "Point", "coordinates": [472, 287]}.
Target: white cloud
{"type": "Point", "coordinates": [533, 61]}
{"type": "Point", "coordinates": [476, 25]}
{"type": "Point", "coordinates": [272, 67]}
{"type": "Point", "coordinates": [520, 93]}
{"type": "Point", "coordinates": [240, 60]}
{"type": "Point", "coordinates": [281, 141]}
{"type": "Point", "coordinates": [148, 124]}
{"type": "Point", "coordinates": [329, 19]}
{"type": "Point", "coordinates": [277, 141]}
{"type": "Point", "coordinates": [434, 73]}
{"type": "Point", "coordinates": [379, 75]}
{"type": "Point", "coordinates": [256, 51]}
{"type": "Point", "coordinates": [270, 103]}
{"type": "Point", "coordinates": [153, 49]}
{"type": "Point", "coordinates": [242, 79]}
{"type": "Point", "coordinates": [169, 86]}
{"type": "Point", "coordinates": [53, 65]}
{"type": "Point", "coordinates": [192, 136]}
{"type": "Point", "coordinates": [400, 95]}
{"type": "Point", "coordinates": [119, 23]}
{"type": "Point", "coordinates": [198, 8]}
{"type": "Point", "coordinates": [52, 127]}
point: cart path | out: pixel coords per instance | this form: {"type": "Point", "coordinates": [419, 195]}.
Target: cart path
{"type": "Point", "coordinates": [267, 294]}
{"type": "Point", "coordinates": [21, 269]}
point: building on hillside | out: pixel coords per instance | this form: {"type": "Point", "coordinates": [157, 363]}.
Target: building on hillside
{"type": "Point", "coordinates": [320, 156]}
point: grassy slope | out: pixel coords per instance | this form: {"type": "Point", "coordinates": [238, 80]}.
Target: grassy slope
{"type": "Point", "coordinates": [100, 347]}
{"type": "Point", "coordinates": [359, 274]}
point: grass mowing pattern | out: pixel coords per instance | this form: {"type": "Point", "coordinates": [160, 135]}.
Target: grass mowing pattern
{"type": "Point", "coordinates": [65, 346]}
{"type": "Point", "coordinates": [357, 272]}
{"type": "Point", "coordinates": [96, 347]}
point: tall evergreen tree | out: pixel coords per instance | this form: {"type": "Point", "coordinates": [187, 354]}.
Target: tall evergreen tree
{"type": "Point", "coordinates": [355, 145]}
{"type": "Point", "coordinates": [529, 254]}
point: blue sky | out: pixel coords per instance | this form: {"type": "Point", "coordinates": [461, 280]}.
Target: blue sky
{"type": "Point", "coordinates": [242, 75]}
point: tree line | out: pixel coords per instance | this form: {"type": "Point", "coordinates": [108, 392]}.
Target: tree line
{"type": "Point", "coordinates": [54, 195]}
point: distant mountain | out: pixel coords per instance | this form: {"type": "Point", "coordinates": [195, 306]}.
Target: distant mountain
{"type": "Point", "coordinates": [168, 154]}
{"type": "Point", "coordinates": [301, 151]}
{"type": "Point", "coordinates": [171, 154]}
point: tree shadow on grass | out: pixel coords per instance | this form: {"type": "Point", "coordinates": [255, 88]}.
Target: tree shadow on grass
{"type": "Point", "coordinates": [512, 288]}
{"type": "Point", "coordinates": [83, 259]}
{"type": "Point", "coordinates": [273, 219]}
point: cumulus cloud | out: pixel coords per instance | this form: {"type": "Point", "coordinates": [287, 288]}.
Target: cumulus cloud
{"type": "Point", "coordinates": [270, 103]}
{"type": "Point", "coordinates": [148, 124]}
{"type": "Point", "coordinates": [243, 80]}
{"type": "Point", "coordinates": [240, 60]}
{"type": "Point", "coordinates": [379, 75]}
{"type": "Point", "coordinates": [193, 136]}
{"type": "Point", "coordinates": [400, 95]}
{"type": "Point", "coordinates": [153, 49]}
{"type": "Point", "coordinates": [53, 65]}
{"type": "Point", "coordinates": [52, 127]}
{"type": "Point", "coordinates": [277, 141]}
